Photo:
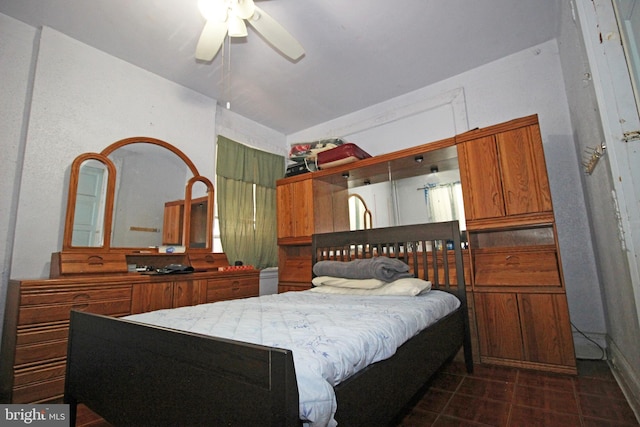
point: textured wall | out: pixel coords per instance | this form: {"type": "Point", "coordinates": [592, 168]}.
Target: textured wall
{"type": "Point", "coordinates": [16, 45]}
{"type": "Point", "coordinates": [83, 100]}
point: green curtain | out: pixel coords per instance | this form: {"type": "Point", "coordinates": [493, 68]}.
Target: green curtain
{"type": "Point", "coordinates": [238, 168]}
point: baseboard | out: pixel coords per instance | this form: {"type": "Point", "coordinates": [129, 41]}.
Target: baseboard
{"type": "Point", "coordinates": [625, 376]}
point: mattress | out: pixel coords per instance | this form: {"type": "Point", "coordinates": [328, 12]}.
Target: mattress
{"type": "Point", "coordinates": [331, 336]}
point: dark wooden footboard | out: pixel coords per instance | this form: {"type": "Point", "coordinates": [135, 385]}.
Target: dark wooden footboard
{"type": "Point", "coordinates": [133, 374]}
{"type": "Point", "coordinates": [374, 396]}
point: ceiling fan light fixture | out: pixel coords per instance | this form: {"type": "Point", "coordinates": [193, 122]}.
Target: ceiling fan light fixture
{"type": "Point", "coordinates": [213, 10]}
{"type": "Point", "coordinates": [227, 17]}
{"type": "Point", "coordinates": [244, 9]}
{"type": "Point", "coordinates": [237, 27]}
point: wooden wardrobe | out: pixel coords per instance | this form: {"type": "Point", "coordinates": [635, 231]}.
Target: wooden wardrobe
{"type": "Point", "coordinates": [518, 306]}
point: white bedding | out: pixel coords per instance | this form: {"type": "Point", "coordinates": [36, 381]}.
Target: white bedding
{"type": "Point", "coordinates": [331, 336]}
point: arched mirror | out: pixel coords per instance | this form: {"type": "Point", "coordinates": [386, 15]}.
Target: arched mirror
{"type": "Point", "coordinates": [88, 224]}
{"type": "Point", "coordinates": [359, 215]}
{"type": "Point", "coordinates": [138, 193]}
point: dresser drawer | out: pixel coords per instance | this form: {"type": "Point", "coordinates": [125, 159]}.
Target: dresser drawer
{"type": "Point", "coordinates": [81, 263]}
{"type": "Point", "coordinates": [41, 391]}
{"type": "Point", "coordinates": [516, 267]}
{"type": "Point", "coordinates": [36, 335]}
{"type": "Point", "coordinates": [55, 306]}
{"type": "Point", "coordinates": [53, 313]}
{"type": "Point", "coordinates": [292, 287]}
{"type": "Point", "coordinates": [80, 295]}
{"type": "Point", "coordinates": [224, 289]}
{"type": "Point", "coordinates": [42, 373]}
{"type": "Point", "coordinates": [40, 344]}
{"type": "Point", "coordinates": [296, 269]}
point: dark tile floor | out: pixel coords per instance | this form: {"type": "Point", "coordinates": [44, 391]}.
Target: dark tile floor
{"type": "Point", "coordinates": [507, 397]}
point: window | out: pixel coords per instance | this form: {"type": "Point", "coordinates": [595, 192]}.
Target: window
{"type": "Point", "coordinates": [246, 203]}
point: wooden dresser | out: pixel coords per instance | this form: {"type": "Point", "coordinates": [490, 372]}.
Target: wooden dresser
{"type": "Point", "coordinates": [34, 342]}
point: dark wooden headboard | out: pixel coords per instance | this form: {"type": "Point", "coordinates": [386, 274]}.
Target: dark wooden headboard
{"type": "Point", "coordinates": [433, 251]}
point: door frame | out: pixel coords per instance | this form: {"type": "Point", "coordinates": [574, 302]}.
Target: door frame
{"type": "Point", "coordinates": [617, 108]}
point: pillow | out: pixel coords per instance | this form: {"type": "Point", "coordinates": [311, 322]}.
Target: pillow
{"type": "Point", "coordinates": [340, 282]}
{"type": "Point", "coordinates": [409, 286]}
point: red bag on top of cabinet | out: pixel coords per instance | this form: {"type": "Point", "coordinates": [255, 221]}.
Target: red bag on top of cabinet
{"type": "Point", "coordinates": [341, 155]}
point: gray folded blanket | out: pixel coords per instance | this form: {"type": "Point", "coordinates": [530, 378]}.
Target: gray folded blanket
{"type": "Point", "coordinates": [381, 268]}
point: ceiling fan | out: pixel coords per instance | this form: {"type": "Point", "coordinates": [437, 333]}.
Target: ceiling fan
{"type": "Point", "coordinates": [228, 17]}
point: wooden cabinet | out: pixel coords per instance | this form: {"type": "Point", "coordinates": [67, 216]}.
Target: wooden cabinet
{"type": "Point", "coordinates": [173, 223]}
{"type": "Point", "coordinates": [156, 296]}
{"type": "Point", "coordinates": [503, 172]}
{"type": "Point", "coordinates": [522, 316]}
{"type": "Point", "coordinates": [295, 209]}
{"type": "Point", "coordinates": [525, 328]}
{"type": "Point", "coordinates": [34, 342]}
{"type": "Point", "coordinates": [305, 206]}
{"type": "Point", "coordinates": [519, 307]}
{"type": "Point", "coordinates": [294, 268]}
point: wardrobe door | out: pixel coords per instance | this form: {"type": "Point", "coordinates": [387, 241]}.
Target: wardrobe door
{"type": "Point", "coordinates": [546, 330]}
{"type": "Point", "coordinates": [525, 186]}
{"type": "Point", "coordinates": [481, 180]}
{"type": "Point", "coordinates": [498, 325]}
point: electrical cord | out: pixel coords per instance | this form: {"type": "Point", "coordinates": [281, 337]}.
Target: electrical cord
{"type": "Point", "coordinates": [602, 351]}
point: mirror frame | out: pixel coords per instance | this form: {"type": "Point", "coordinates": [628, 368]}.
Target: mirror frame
{"type": "Point", "coordinates": [103, 158]}
{"type": "Point", "coordinates": [72, 198]}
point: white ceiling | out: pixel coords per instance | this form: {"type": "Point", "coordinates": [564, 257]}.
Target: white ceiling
{"type": "Point", "coordinates": [358, 52]}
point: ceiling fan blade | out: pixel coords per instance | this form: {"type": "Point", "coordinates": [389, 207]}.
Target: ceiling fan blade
{"type": "Point", "coordinates": [210, 40]}
{"type": "Point", "coordinates": [275, 34]}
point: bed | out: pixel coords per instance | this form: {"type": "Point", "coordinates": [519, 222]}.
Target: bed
{"type": "Point", "coordinates": [133, 373]}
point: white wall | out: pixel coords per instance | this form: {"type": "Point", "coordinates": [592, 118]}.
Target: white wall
{"type": "Point", "coordinates": [83, 100]}
{"type": "Point", "coordinates": [248, 132]}
{"type": "Point", "coordinates": [16, 45]}
{"type": "Point", "coordinates": [416, 118]}
{"type": "Point", "coordinates": [528, 82]}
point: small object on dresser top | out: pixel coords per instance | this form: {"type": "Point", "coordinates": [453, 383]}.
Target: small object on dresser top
{"type": "Point", "coordinates": [236, 268]}
{"type": "Point", "coordinates": [175, 269]}
{"type": "Point", "coordinates": [172, 249]}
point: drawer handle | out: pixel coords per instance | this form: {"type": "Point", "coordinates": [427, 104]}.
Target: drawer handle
{"type": "Point", "coordinates": [80, 307]}
{"type": "Point", "coordinates": [81, 297]}
{"type": "Point", "coordinates": [512, 260]}
{"type": "Point", "coordinates": [95, 260]}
